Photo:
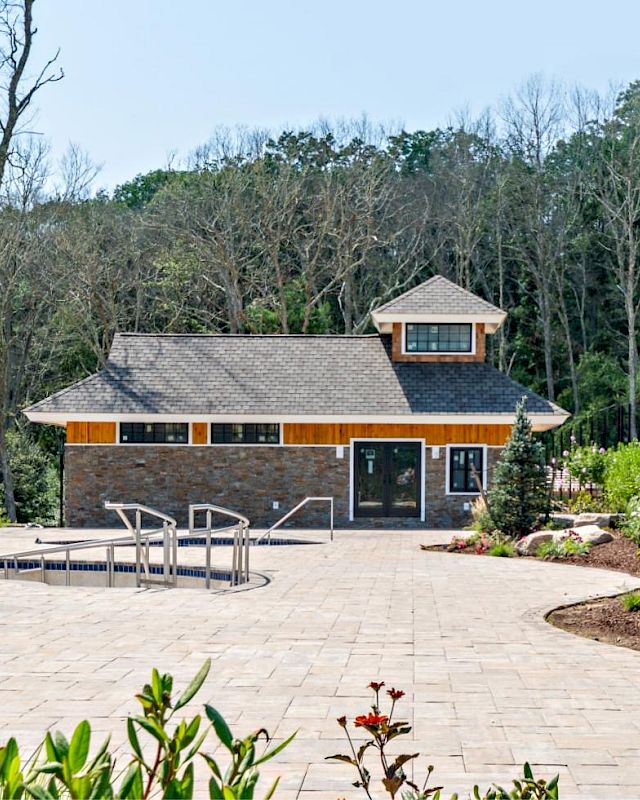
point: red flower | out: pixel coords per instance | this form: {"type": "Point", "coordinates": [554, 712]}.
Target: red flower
{"type": "Point", "coordinates": [370, 720]}
{"type": "Point", "coordinates": [376, 686]}
{"type": "Point", "coordinates": [395, 694]}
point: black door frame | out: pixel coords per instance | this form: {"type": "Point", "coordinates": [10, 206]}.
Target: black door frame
{"type": "Point", "coordinates": [387, 510]}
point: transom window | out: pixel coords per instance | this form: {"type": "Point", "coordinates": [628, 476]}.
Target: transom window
{"type": "Point", "coordinates": [462, 463]}
{"type": "Point", "coordinates": [154, 433]}
{"type": "Point", "coordinates": [438, 338]}
{"type": "Point", "coordinates": [245, 433]}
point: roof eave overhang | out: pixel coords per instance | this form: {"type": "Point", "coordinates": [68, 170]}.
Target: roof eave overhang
{"type": "Point", "coordinates": [384, 320]}
{"type": "Point", "coordinates": [540, 422]}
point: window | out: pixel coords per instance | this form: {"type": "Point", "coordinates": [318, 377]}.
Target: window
{"type": "Point", "coordinates": [462, 462]}
{"type": "Point", "coordinates": [154, 433]}
{"type": "Point", "coordinates": [245, 433]}
{"type": "Point", "coordinates": [427, 338]}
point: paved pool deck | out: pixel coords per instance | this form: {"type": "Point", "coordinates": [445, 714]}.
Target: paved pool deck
{"type": "Point", "coordinates": [489, 683]}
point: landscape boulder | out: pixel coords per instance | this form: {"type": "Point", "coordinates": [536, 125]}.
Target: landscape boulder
{"type": "Point", "coordinates": [528, 545]}
{"type": "Point", "coordinates": [588, 533]}
{"type": "Point", "coordinates": [591, 518]}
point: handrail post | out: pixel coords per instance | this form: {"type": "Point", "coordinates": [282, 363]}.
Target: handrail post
{"type": "Point", "coordinates": [68, 569]}
{"type": "Point", "coordinates": [331, 513]}
{"type": "Point", "coordinates": [42, 570]}
{"type": "Point", "coordinates": [175, 555]}
{"type": "Point", "coordinates": [138, 550]}
{"type": "Point", "coordinates": [247, 543]}
{"type": "Point", "coordinates": [166, 553]}
{"type": "Point", "coordinates": [207, 556]}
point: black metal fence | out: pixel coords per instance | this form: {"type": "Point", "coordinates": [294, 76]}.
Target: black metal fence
{"type": "Point", "coordinates": [606, 428]}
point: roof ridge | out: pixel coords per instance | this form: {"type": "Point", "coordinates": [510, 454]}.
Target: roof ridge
{"type": "Point", "coordinates": [351, 336]}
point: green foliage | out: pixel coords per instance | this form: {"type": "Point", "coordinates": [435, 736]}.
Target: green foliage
{"type": "Point", "coordinates": [601, 380]}
{"type": "Point", "coordinates": [631, 601]}
{"type": "Point", "coordinates": [622, 476]}
{"type": "Point", "coordinates": [502, 550]}
{"type": "Point", "coordinates": [587, 464]}
{"type": "Point", "coordinates": [584, 502]}
{"type": "Point", "coordinates": [631, 524]}
{"type": "Point", "coordinates": [527, 788]}
{"type": "Point", "coordinates": [35, 478]}
{"type": "Point", "coordinates": [141, 190]}
{"type": "Point", "coordinates": [519, 494]}
{"type": "Point", "coordinates": [572, 545]}
{"type": "Point", "coordinates": [161, 766]}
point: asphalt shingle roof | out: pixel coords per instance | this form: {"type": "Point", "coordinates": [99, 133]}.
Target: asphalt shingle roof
{"type": "Point", "coordinates": [282, 375]}
{"type": "Point", "coordinates": [438, 296]}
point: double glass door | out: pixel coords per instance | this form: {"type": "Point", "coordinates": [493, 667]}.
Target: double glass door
{"type": "Point", "coordinates": [387, 479]}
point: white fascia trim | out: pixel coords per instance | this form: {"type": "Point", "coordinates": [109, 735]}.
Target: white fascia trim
{"type": "Point", "coordinates": [487, 318]}
{"type": "Point", "coordinates": [541, 422]}
{"type": "Point", "coordinates": [405, 352]}
{"type": "Point", "coordinates": [423, 468]}
{"type": "Point", "coordinates": [485, 468]}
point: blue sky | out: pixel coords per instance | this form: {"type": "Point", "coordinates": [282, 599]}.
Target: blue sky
{"type": "Point", "coordinates": [145, 78]}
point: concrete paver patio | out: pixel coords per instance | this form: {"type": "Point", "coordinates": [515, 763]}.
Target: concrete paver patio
{"type": "Point", "coordinates": [489, 683]}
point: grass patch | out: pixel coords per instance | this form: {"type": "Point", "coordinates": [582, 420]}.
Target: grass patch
{"type": "Point", "coordinates": [631, 601]}
{"type": "Point", "coordinates": [502, 550]}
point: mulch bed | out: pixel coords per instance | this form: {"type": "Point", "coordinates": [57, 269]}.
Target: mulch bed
{"type": "Point", "coordinates": [604, 620]}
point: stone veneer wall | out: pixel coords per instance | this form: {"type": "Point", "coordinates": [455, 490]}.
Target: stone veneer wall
{"type": "Point", "coordinates": [246, 479]}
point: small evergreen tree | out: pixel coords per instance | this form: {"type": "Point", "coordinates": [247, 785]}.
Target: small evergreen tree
{"type": "Point", "coordinates": [519, 493]}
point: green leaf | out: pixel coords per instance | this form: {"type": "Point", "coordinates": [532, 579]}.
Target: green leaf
{"type": "Point", "coordinates": [271, 753]}
{"type": "Point", "coordinates": [39, 792]}
{"type": "Point", "coordinates": [213, 765]}
{"type": "Point", "coordinates": [272, 790]}
{"type": "Point", "coordinates": [79, 746]}
{"type": "Point", "coordinates": [62, 746]}
{"type": "Point", "coordinates": [195, 685]}
{"type": "Point", "coordinates": [528, 774]}
{"type": "Point", "coordinates": [131, 788]}
{"type": "Point", "coordinates": [346, 759]}
{"type": "Point", "coordinates": [152, 727]}
{"type": "Point", "coordinates": [133, 739]}
{"type": "Point", "coordinates": [220, 726]}
{"type": "Point", "coordinates": [215, 792]}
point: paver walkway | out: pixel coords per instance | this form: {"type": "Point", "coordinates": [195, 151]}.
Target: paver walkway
{"type": "Point", "coordinates": [489, 683]}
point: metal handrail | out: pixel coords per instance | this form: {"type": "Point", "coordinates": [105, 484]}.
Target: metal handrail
{"type": "Point", "coordinates": [295, 509]}
{"type": "Point", "coordinates": [169, 541]}
{"type": "Point", "coordinates": [241, 540]}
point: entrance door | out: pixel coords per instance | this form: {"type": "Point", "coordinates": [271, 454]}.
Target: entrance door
{"type": "Point", "coordinates": [386, 481]}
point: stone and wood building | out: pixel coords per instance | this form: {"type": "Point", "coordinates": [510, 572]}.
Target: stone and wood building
{"type": "Point", "coordinates": [396, 426]}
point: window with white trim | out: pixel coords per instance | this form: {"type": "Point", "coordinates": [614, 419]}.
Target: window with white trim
{"type": "Point", "coordinates": [464, 464]}
{"type": "Point", "coordinates": [154, 433]}
{"type": "Point", "coordinates": [421, 337]}
{"type": "Point", "coordinates": [245, 433]}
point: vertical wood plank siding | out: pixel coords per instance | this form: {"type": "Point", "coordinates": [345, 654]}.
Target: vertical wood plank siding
{"type": "Point", "coordinates": [341, 433]}
{"type": "Point", "coordinates": [199, 433]}
{"type": "Point", "coordinates": [91, 432]}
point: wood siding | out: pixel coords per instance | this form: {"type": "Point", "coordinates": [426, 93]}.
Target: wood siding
{"type": "Point", "coordinates": [199, 433]}
{"type": "Point", "coordinates": [341, 433]}
{"type": "Point", "coordinates": [398, 355]}
{"type": "Point", "coordinates": [91, 432]}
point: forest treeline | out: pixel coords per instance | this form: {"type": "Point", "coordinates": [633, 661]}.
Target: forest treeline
{"type": "Point", "coordinates": [535, 207]}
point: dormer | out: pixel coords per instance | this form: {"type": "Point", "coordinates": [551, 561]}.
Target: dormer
{"type": "Point", "coordinates": [438, 321]}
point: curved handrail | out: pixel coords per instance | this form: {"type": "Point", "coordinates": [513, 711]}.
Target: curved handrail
{"type": "Point", "coordinates": [227, 512]}
{"type": "Point", "coordinates": [151, 512]}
